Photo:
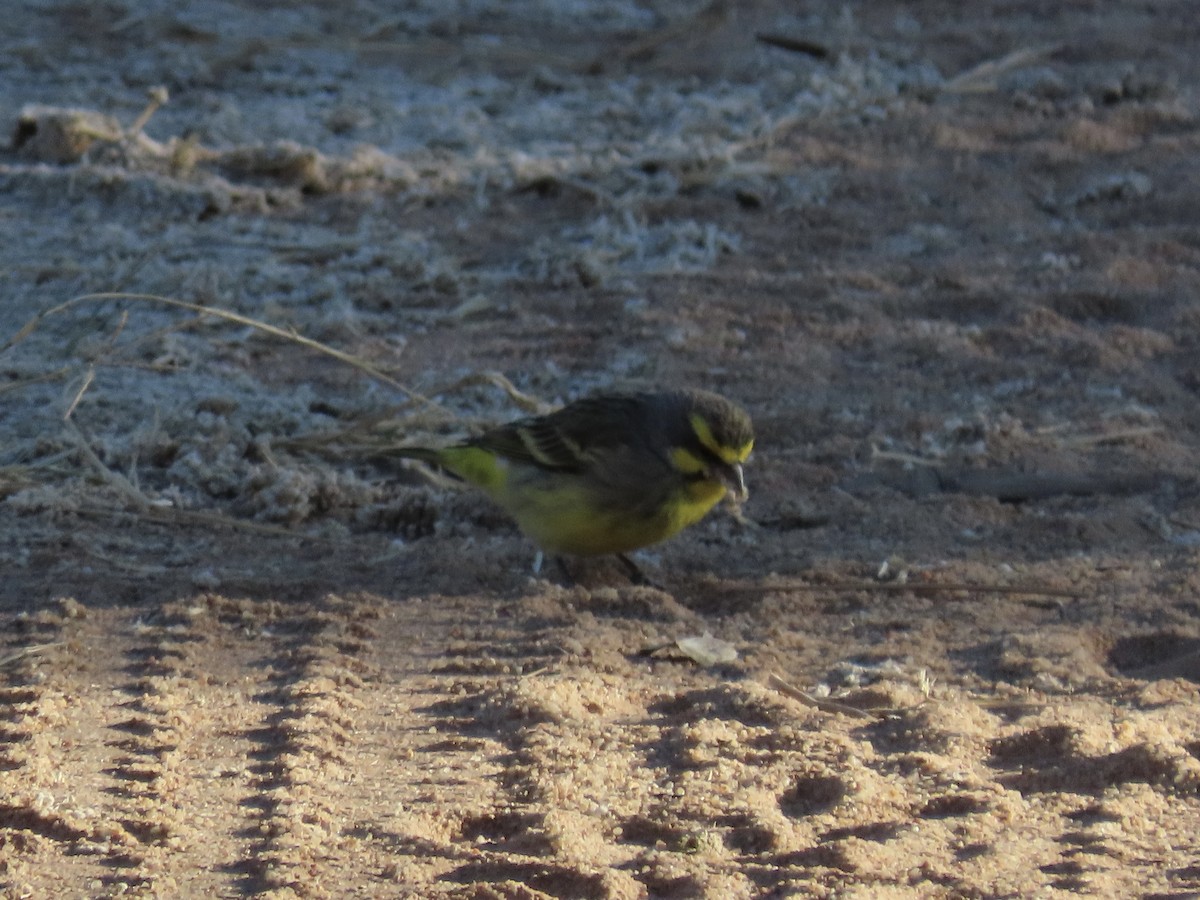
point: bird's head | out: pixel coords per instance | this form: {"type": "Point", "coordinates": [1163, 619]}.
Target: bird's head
{"type": "Point", "coordinates": [713, 438]}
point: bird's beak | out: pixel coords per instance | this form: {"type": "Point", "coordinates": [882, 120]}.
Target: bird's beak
{"type": "Point", "coordinates": [731, 476]}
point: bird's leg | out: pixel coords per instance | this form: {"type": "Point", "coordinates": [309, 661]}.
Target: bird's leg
{"type": "Point", "coordinates": [569, 570]}
{"type": "Point", "coordinates": [636, 575]}
{"type": "Point", "coordinates": [557, 562]}
{"type": "Point", "coordinates": [564, 570]}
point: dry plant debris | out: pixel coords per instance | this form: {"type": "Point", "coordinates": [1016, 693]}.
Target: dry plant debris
{"type": "Point", "coordinates": [949, 261]}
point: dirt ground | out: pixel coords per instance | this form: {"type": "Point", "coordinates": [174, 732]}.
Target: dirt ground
{"type": "Point", "coordinates": [947, 255]}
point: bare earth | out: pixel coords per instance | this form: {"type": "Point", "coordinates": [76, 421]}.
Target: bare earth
{"type": "Point", "coordinates": [948, 256]}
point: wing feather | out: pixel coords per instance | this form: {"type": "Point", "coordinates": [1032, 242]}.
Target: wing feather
{"type": "Point", "coordinates": [566, 440]}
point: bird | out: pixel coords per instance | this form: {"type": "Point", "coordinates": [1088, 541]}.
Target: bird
{"type": "Point", "coordinates": [609, 473]}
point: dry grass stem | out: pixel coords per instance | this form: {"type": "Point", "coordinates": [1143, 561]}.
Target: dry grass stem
{"type": "Point", "coordinates": [229, 316]}
{"type": "Point", "coordinates": [1113, 437]}
{"type": "Point", "coordinates": [984, 77]}
{"type": "Point", "coordinates": [88, 377]}
{"type": "Point", "coordinates": [824, 705]}
{"type": "Point", "coordinates": [32, 650]}
{"type": "Point", "coordinates": [158, 97]}
{"type": "Point", "coordinates": [37, 379]}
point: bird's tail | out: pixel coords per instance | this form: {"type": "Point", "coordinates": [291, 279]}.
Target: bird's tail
{"type": "Point", "coordinates": [470, 462]}
{"type": "Point", "coordinates": [438, 459]}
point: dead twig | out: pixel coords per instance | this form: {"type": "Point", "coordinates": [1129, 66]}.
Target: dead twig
{"type": "Point", "coordinates": [170, 515]}
{"type": "Point", "coordinates": [156, 97]}
{"type": "Point", "coordinates": [228, 316]}
{"type": "Point", "coordinates": [37, 379]}
{"type": "Point", "coordinates": [525, 402]}
{"type": "Point", "coordinates": [88, 377]}
{"type": "Point", "coordinates": [146, 508]}
{"type": "Point", "coordinates": [830, 706]}
{"type": "Point", "coordinates": [794, 44]}
{"type": "Point", "coordinates": [31, 650]}
{"type": "Point", "coordinates": [1112, 437]}
{"type": "Point", "coordinates": [115, 480]}
{"type": "Point", "coordinates": [984, 77]}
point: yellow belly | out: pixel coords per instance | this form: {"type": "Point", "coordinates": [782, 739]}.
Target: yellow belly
{"type": "Point", "coordinates": [565, 519]}
{"type": "Point", "coordinates": [562, 513]}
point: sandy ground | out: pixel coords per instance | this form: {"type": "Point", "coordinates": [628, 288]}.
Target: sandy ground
{"type": "Point", "coordinates": [948, 260]}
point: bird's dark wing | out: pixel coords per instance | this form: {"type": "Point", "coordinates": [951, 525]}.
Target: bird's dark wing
{"type": "Point", "coordinates": [566, 440]}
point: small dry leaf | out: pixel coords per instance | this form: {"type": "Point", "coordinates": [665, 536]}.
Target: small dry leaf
{"type": "Point", "coordinates": [707, 650]}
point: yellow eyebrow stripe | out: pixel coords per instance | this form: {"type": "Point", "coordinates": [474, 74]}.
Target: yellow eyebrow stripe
{"type": "Point", "coordinates": [728, 455]}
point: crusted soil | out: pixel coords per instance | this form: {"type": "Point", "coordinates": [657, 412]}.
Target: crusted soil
{"type": "Point", "coordinates": [947, 255]}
